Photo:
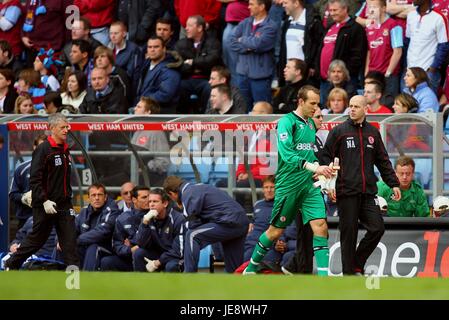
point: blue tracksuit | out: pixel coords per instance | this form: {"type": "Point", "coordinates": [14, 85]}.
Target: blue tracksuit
{"type": "Point", "coordinates": [21, 184]}
{"type": "Point", "coordinates": [94, 230]}
{"type": "Point", "coordinates": [126, 227]}
{"type": "Point", "coordinates": [161, 240]}
{"type": "Point", "coordinates": [262, 216]}
{"type": "Point", "coordinates": [212, 216]}
{"type": "Point", "coordinates": [49, 246]}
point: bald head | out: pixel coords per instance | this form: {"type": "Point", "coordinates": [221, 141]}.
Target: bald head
{"type": "Point", "coordinates": [262, 107]}
{"type": "Point", "coordinates": [357, 108]}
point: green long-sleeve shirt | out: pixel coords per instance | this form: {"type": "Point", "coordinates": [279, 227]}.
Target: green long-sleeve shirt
{"type": "Point", "coordinates": [413, 201]}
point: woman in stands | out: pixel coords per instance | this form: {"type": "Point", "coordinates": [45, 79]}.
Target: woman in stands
{"type": "Point", "coordinates": [405, 103]}
{"type": "Point", "coordinates": [24, 105]}
{"type": "Point", "coordinates": [417, 85]}
{"type": "Point", "coordinates": [74, 89]}
{"type": "Point", "coordinates": [337, 102]}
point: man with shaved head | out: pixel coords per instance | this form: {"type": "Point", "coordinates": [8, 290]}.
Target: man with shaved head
{"type": "Point", "coordinates": [359, 147]}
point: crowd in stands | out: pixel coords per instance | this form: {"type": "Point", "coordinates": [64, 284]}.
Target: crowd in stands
{"type": "Point", "coordinates": [176, 52]}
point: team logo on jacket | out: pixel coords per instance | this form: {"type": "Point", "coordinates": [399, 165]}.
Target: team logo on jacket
{"type": "Point", "coordinates": [371, 139]}
{"type": "Point", "coordinates": [58, 161]}
{"type": "Point", "coordinates": [167, 230]}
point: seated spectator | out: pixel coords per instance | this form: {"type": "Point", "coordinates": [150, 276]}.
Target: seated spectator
{"type": "Point", "coordinates": [74, 89]}
{"type": "Point", "coordinates": [200, 53]}
{"type": "Point", "coordinates": [337, 77]}
{"type": "Point", "coordinates": [260, 143]}
{"type": "Point", "coordinates": [164, 30]}
{"type": "Point", "coordinates": [7, 93]}
{"type": "Point", "coordinates": [7, 58]}
{"type": "Point", "coordinates": [213, 217]}
{"type": "Point", "coordinates": [337, 102]}
{"type": "Point", "coordinates": [24, 105]}
{"type": "Point", "coordinates": [53, 104]}
{"type": "Point", "coordinates": [126, 203]}
{"type": "Point", "coordinates": [261, 220]}
{"type": "Point", "coordinates": [45, 252]}
{"type": "Point", "coordinates": [30, 83]}
{"type": "Point", "coordinates": [387, 98]}
{"type": "Point", "coordinates": [222, 75]}
{"type": "Point", "coordinates": [20, 194]}
{"type": "Point", "coordinates": [80, 31]}
{"type": "Point", "coordinates": [440, 207]}
{"type": "Point", "coordinates": [46, 63]}
{"type": "Point", "coordinates": [104, 97]}
{"type": "Point", "coordinates": [127, 54]}
{"type": "Point", "coordinates": [95, 226]}
{"type": "Point", "coordinates": [159, 79]}
{"type": "Point", "coordinates": [221, 101]}
{"type": "Point", "coordinates": [373, 94]}
{"type": "Point", "coordinates": [413, 202]}
{"type": "Point", "coordinates": [104, 58]}
{"type": "Point", "coordinates": [80, 57]}
{"type": "Point", "coordinates": [152, 141]}
{"type": "Point", "coordinates": [295, 75]}
{"type": "Point", "coordinates": [160, 237]}
{"type": "Point", "coordinates": [417, 85]}
{"type": "Point", "coordinates": [405, 103]}
{"type": "Point", "coordinates": [124, 243]}
{"type": "Point", "coordinates": [11, 18]}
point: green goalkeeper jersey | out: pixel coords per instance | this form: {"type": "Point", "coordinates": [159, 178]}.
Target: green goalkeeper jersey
{"type": "Point", "coordinates": [296, 144]}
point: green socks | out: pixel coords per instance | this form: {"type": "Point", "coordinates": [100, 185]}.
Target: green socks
{"type": "Point", "coordinates": [321, 251]}
{"type": "Point", "coordinates": [259, 252]}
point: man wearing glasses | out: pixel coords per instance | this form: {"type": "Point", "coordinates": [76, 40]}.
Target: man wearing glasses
{"type": "Point", "coordinates": [359, 147]}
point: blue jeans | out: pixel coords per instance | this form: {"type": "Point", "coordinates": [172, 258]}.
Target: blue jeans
{"type": "Point", "coordinates": [434, 80]}
{"type": "Point", "coordinates": [229, 56]}
{"type": "Point", "coordinates": [101, 34]}
{"type": "Point", "coordinates": [254, 90]}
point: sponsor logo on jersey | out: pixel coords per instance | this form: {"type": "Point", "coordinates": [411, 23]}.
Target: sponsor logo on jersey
{"type": "Point", "coordinates": [385, 32]}
{"type": "Point", "coordinates": [376, 43]}
{"type": "Point", "coordinates": [283, 136]}
{"type": "Point", "coordinates": [330, 39]}
{"type": "Point", "coordinates": [304, 146]}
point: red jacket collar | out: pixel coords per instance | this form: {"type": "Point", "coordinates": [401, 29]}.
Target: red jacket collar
{"type": "Point", "coordinates": [55, 145]}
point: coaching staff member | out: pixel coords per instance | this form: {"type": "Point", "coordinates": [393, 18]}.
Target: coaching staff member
{"type": "Point", "coordinates": [51, 196]}
{"type": "Point", "coordinates": [359, 147]}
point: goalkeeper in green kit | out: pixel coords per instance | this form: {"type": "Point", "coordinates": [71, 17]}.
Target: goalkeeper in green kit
{"type": "Point", "coordinates": [297, 165]}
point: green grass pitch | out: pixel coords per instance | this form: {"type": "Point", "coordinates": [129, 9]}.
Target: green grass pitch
{"type": "Point", "coordinates": [203, 286]}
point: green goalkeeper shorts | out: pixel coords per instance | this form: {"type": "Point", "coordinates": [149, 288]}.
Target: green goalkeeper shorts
{"type": "Point", "coordinates": [287, 205]}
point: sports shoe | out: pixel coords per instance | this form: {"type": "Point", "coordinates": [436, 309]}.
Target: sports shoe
{"type": "Point", "coordinates": [285, 271]}
{"type": "Point", "coordinates": [248, 273]}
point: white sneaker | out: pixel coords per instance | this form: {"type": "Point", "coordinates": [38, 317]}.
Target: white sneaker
{"type": "Point", "coordinates": [248, 273]}
{"type": "Point", "coordinates": [285, 271]}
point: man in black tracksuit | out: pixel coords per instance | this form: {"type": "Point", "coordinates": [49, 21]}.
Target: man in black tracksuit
{"type": "Point", "coordinates": [359, 147]}
{"type": "Point", "coordinates": [51, 196]}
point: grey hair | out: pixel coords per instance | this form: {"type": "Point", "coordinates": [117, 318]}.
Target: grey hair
{"type": "Point", "coordinates": [340, 64]}
{"type": "Point", "coordinates": [55, 118]}
{"type": "Point", "coordinates": [343, 3]}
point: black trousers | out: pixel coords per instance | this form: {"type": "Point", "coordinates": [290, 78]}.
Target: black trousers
{"type": "Point", "coordinates": [302, 260]}
{"type": "Point", "coordinates": [351, 210]}
{"type": "Point", "coordinates": [43, 223]}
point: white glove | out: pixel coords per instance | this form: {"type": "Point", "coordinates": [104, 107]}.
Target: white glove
{"type": "Point", "coordinates": [312, 167]}
{"type": "Point", "coordinates": [151, 267]}
{"type": "Point", "coordinates": [150, 215]}
{"type": "Point", "coordinates": [26, 198]}
{"type": "Point", "coordinates": [329, 184]}
{"type": "Point", "coordinates": [49, 207]}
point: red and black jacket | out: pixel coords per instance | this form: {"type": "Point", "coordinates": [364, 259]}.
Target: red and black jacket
{"type": "Point", "coordinates": [359, 148]}
{"type": "Point", "coordinates": [50, 175]}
